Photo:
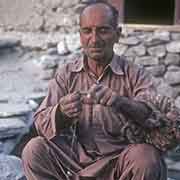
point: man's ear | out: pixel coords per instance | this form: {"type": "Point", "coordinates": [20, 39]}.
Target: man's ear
{"type": "Point", "coordinates": [118, 32]}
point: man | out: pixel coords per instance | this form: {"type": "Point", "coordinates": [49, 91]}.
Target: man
{"type": "Point", "coordinates": [93, 122]}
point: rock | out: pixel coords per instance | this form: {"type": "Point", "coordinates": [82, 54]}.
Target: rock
{"type": "Point", "coordinates": [129, 41]}
{"type": "Point", "coordinates": [9, 110]}
{"type": "Point", "coordinates": [165, 90]}
{"type": "Point", "coordinates": [73, 41]}
{"type": "Point", "coordinates": [173, 68]}
{"type": "Point", "coordinates": [68, 4]}
{"type": "Point", "coordinates": [37, 97]}
{"type": "Point", "coordinates": [175, 36]}
{"type": "Point", "coordinates": [147, 60]}
{"type": "Point", "coordinates": [145, 36]}
{"type": "Point", "coordinates": [153, 41]}
{"type": "Point", "coordinates": [175, 166]}
{"type": "Point", "coordinates": [47, 74]}
{"type": "Point", "coordinates": [173, 47]}
{"type": "Point", "coordinates": [157, 70]}
{"type": "Point", "coordinates": [162, 35]}
{"type": "Point", "coordinates": [176, 90]}
{"type": "Point", "coordinates": [10, 168]}
{"type": "Point", "coordinates": [9, 144]}
{"type": "Point", "coordinates": [157, 81]}
{"type": "Point", "coordinates": [62, 48]}
{"type": "Point", "coordinates": [172, 77]}
{"type": "Point", "coordinates": [127, 31]}
{"type": "Point", "coordinates": [120, 49]}
{"type": "Point", "coordinates": [177, 101]}
{"type": "Point", "coordinates": [157, 51]}
{"type": "Point", "coordinates": [172, 59]}
{"type": "Point", "coordinates": [47, 62]}
{"type": "Point", "coordinates": [129, 58]}
{"type": "Point", "coordinates": [52, 51]}
{"type": "Point", "coordinates": [139, 50]}
{"type": "Point", "coordinates": [9, 43]}
{"type": "Point", "coordinates": [10, 127]}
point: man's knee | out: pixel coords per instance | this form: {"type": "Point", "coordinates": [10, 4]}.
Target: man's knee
{"type": "Point", "coordinates": [34, 150]}
{"type": "Point", "coordinates": [145, 156]}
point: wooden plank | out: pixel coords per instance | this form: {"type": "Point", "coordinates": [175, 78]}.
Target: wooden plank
{"type": "Point", "coordinates": [177, 12]}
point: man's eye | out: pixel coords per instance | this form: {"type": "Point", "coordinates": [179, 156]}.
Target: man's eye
{"type": "Point", "coordinates": [86, 31]}
{"type": "Point", "coordinates": [104, 30]}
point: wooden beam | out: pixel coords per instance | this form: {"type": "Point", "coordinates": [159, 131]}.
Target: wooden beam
{"type": "Point", "coordinates": [177, 12]}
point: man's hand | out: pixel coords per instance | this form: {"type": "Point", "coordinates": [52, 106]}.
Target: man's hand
{"type": "Point", "coordinates": [103, 95]}
{"type": "Point", "coordinates": [71, 105]}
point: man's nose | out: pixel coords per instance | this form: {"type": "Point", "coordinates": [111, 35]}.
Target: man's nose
{"type": "Point", "coordinates": [94, 36]}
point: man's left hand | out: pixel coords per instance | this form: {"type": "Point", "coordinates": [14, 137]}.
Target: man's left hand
{"type": "Point", "coordinates": [103, 95]}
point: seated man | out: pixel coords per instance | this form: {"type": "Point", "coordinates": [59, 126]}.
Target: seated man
{"type": "Point", "coordinates": [95, 119]}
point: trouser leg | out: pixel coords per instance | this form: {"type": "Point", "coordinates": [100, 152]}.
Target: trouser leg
{"type": "Point", "coordinates": [40, 162]}
{"type": "Point", "coordinates": [141, 162]}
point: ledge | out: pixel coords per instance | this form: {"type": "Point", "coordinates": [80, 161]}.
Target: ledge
{"type": "Point", "coordinates": [145, 27]}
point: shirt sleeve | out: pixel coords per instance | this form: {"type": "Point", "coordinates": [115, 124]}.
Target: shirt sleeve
{"type": "Point", "coordinates": [141, 86]}
{"type": "Point", "coordinates": [49, 121]}
{"type": "Point", "coordinates": [167, 135]}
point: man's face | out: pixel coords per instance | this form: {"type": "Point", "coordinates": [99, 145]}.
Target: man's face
{"type": "Point", "coordinates": [97, 33]}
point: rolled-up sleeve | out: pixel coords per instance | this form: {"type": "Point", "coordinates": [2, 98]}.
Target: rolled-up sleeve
{"type": "Point", "coordinates": [48, 118]}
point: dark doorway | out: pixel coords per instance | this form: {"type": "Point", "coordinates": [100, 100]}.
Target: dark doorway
{"type": "Point", "coordinates": [149, 11]}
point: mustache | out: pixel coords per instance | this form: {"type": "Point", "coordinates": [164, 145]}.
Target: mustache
{"type": "Point", "coordinates": [95, 46]}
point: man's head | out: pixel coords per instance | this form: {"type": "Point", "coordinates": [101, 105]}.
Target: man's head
{"type": "Point", "coordinates": [99, 30]}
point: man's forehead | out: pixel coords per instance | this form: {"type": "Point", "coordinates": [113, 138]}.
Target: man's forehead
{"type": "Point", "coordinates": [95, 13]}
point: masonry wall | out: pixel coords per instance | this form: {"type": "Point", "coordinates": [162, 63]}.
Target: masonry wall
{"type": "Point", "coordinates": [39, 15]}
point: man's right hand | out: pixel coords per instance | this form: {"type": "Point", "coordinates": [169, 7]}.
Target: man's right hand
{"type": "Point", "coordinates": [71, 105]}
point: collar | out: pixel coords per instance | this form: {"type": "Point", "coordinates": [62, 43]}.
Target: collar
{"type": "Point", "coordinates": [115, 65]}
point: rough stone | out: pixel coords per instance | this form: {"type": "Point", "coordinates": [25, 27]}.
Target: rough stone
{"type": "Point", "coordinates": [9, 144]}
{"type": "Point", "coordinates": [129, 41]}
{"type": "Point", "coordinates": [47, 74]}
{"type": "Point", "coordinates": [147, 60]}
{"type": "Point", "coordinates": [162, 35]}
{"type": "Point", "coordinates": [62, 47]}
{"type": "Point", "coordinates": [173, 68]}
{"type": "Point", "coordinates": [153, 41]}
{"type": "Point", "coordinates": [52, 51]}
{"type": "Point", "coordinates": [10, 127]}
{"type": "Point", "coordinates": [172, 59]}
{"type": "Point", "coordinates": [10, 168]}
{"type": "Point", "coordinates": [165, 90]}
{"type": "Point", "coordinates": [173, 47]}
{"type": "Point", "coordinates": [157, 70]}
{"type": "Point", "coordinates": [10, 110]}
{"type": "Point", "coordinates": [120, 49]}
{"type": "Point", "coordinates": [9, 43]}
{"type": "Point", "coordinates": [47, 62]}
{"type": "Point", "coordinates": [73, 41]}
{"type": "Point", "coordinates": [129, 58]}
{"type": "Point", "coordinates": [172, 78]}
{"type": "Point", "coordinates": [177, 90]}
{"type": "Point", "coordinates": [177, 101]}
{"type": "Point", "coordinates": [127, 31]}
{"type": "Point", "coordinates": [145, 36]}
{"type": "Point", "coordinates": [69, 4]}
{"type": "Point", "coordinates": [157, 51]}
{"type": "Point", "coordinates": [139, 50]}
{"type": "Point", "coordinates": [175, 36]}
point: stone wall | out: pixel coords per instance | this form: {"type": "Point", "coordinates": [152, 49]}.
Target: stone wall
{"type": "Point", "coordinates": [40, 15]}
{"type": "Point", "coordinates": [159, 52]}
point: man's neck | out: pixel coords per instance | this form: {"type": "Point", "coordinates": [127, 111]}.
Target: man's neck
{"type": "Point", "coordinates": [97, 67]}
